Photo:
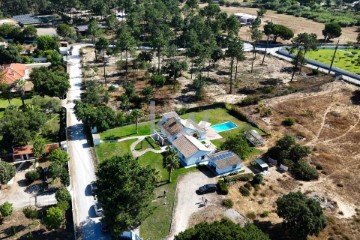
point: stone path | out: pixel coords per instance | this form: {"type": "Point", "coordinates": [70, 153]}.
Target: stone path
{"type": "Point", "coordinates": [134, 152]}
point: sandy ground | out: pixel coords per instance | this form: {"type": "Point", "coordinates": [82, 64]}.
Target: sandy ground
{"type": "Point", "coordinates": [16, 193]}
{"type": "Point", "coordinates": [8, 21]}
{"type": "Point", "coordinates": [297, 24]}
{"type": "Point", "coordinates": [46, 31]}
{"type": "Point", "coordinates": [188, 202]}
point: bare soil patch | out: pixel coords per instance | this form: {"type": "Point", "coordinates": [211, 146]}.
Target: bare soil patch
{"type": "Point", "coordinates": [327, 120]}
{"type": "Point", "coordinates": [297, 24]}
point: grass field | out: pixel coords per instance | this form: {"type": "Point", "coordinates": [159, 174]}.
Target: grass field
{"type": "Point", "coordinates": [107, 150]}
{"type": "Point", "coordinates": [4, 103]}
{"type": "Point", "coordinates": [126, 131]}
{"type": "Point", "coordinates": [148, 142]}
{"type": "Point", "coordinates": [346, 59]}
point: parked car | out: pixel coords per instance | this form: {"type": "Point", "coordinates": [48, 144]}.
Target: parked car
{"type": "Point", "coordinates": [207, 188]}
{"type": "Point", "coordinates": [93, 187]}
{"type": "Point", "coordinates": [98, 209]}
{"type": "Point", "coordinates": [129, 235]}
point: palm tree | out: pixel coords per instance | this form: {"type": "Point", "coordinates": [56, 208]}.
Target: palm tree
{"type": "Point", "coordinates": [171, 161]}
{"type": "Point", "coordinates": [136, 113]}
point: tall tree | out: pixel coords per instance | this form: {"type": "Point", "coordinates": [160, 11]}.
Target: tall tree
{"type": "Point", "coordinates": [7, 172]}
{"type": "Point", "coordinates": [47, 42]}
{"type": "Point", "coordinates": [256, 36]}
{"type": "Point", "coordinates": [171, 161]}
{"type": "Point", "coordinates": [125, 42]}
{"type": "Point", "coordinates": [93, 30]}
{"type": "Point", "coordinates": [235, 51]}
{"type": "Point", "coordinates": [101, 46]}
{"type": "Point", "coordinates": [136, 114]}
{"type": "Point", "coordinates": [125, 190]}
{"type": "Point", "coordinates": [303, 216]}
{"type": "Point", "coordinates": [331, 30]}
{"type": "Point", "coordinates": [39, 147]}
{"type": "Point", "coordinates": [9, 55]}
{"type": "Point", "coordinates": [159, 39]}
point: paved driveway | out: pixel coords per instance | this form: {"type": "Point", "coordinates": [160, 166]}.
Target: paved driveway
{"type": "Point", "coordinates": [188, 202]}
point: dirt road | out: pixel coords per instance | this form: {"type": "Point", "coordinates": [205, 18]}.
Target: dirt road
{"type": "Point", "coordinates": [188, 202]}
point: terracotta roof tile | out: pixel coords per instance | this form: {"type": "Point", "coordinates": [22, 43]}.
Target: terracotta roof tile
{"type": "Point", "coordinates": [12, 72]}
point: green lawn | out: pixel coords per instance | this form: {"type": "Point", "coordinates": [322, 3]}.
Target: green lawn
{"type": "Point", "coordinates": [107, 150]}
{"type": "Point", "coordinates": [346, 59]}
{"type": "Point", "coordinates": [126, 131]}
{"type": "Point", "coordinates": [148, 142]}
{"type": "Point", "coordinates": [50, 130]}
{"type": "Point", "coordinates": [4, 103]}
{"type": "Point", "coordinates": [157, 225]}
{"type": "Point", "coordinates": [154, 160]}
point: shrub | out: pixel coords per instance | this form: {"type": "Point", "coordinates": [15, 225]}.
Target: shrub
{"type": "Point", "coordinates": [251, 215]}
{"type": "Point", "coordinates": [54, 217]}
{"type": "Point", "coordinates": [303, 171]}
{"type": "Point", "coordinates": [258, 179]}
{"type": "Point", "coordinates": [264, 214]}
{"type": "Point", "coordinates": [6, 209]}
{"type": "Point", "coordinates": [228, 203]}
{"type": "Point", "coordinates": [223, 188]}
{"type": "Point", "coordinates": [112, 88]}
{"type": "Point", "coordinates": [32, 176]}
{"type": "Point", "coordinates": [243, 177]}
{"type": "Point", "coordinates": [63, 195]}
{"type": "Point", "coordinates": [289, 121]}
{"type": "Point", "coordinates": [244, 191]}
{"type": "Point", "coordinates": [63, 205]}
{"type": "Point", "coordinates": [30, 212]}
{"type": "Point", "coordinates": [249, 100]}
{"type": "Point", "coordinates": [248, 186]}
{"type": "Point", "coordinates": [315, 72]}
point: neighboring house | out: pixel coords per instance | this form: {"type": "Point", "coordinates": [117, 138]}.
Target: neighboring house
{"type": "Point", "coordinates": [245, 19]}
{"type": "Point", "coordinates": [64, 48]}
{"type": "Point", "coordinates": [26, 152]}
{"type": "Point", "coordinates": [190, 150]}
{"type": "Point", "coordinates": [12, 72]}
{"type": "Point", "coordinates": [224, 162]}
{"type": "Point", "coordinates": [254, 138]}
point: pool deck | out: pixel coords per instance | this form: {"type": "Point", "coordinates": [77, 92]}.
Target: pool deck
{"type": "Point", "coordinates": [211, 134]}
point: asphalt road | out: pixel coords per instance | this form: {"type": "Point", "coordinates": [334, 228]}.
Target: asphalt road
{"type": "Point", "coordinates": [82, 167]}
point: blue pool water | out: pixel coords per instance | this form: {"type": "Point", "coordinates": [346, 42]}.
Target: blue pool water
{"type": "Point", "coordinates": [222, 127]}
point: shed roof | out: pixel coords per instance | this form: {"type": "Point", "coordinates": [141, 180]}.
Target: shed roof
{"type": "Point", "coordinates": [189, 145]}
{"type": "Point", "coordinates": [225, 159]}
{"type": "Point", "coordinates": [170, 115]}
{"type": "Point", "coordinates": [261, 163]}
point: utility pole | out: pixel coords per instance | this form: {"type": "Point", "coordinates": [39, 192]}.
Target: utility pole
{"type": "Point", "coordinates": [332, 60]}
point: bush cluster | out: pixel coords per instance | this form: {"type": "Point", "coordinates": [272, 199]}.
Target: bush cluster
{"type": "Point", "coordinates": [30, 212]}
{"type": "Point", "coordinates": [243, 177]}
{"type": "Point", "coordinates": [223, 188]}
{"type": "Point", "coordinates": [289, 121]}
{"type": "Point", "coordinates": [32, 176]}
{"type": "Point", "coordinates": [228, 203]}
{"type": "Point", "coordinates": [244, 191]}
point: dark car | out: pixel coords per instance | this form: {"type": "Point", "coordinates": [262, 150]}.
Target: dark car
{"type": "Point", "coordinates": [93, 188]}
{"type": "Point", "coordinates": [98, 209]}
{"type": "Point", "coordinates": [207, 188]}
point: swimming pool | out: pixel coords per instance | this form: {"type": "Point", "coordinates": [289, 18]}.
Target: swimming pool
{"type": "Point", "coordinates": [222, 127]}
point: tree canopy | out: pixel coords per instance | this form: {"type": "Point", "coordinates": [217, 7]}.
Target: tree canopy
{"type": "Point", "coordinates": [125, 190]}
{"type": "Point", "coordinates": [7, 172]}
{"type": "Point", "coordinates": [331, 30]}
{"type": "Point", "coordinates": [47, 42]}
{"type": "Point", "coordinates": [54, 83]}
{"type": "Point", "coordinates": [303, 216]}
{"type": "Point", "coordinates": [224, 229]}
{"type": "Point", "coordinates": [9, 55]}
{"type": "Point", "coordinates": [54, 217]}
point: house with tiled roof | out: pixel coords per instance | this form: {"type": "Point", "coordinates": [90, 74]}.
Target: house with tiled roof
{"type": "Point", "coordinates": [23, 153]}
{"type": "Point", "coordinates": [190, 150]}
{"type": "Point", "coordinates": [12, 72]}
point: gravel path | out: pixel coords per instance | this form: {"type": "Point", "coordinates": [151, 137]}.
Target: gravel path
{"type": "Point", "coordinates": [188, 202]}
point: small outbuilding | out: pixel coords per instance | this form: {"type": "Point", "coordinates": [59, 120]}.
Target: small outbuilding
{"type": "Point", "coordinates": [224, 162]}
{"type": "Point", "coordinates": [254, 138]}
{"type": "Point", "coordinates": [245, 19]}
{"type": "Point", "coordinates": [261, 164]}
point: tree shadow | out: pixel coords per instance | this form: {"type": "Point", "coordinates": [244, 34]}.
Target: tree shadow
{"type": "Point", "coordinates": [12, 230]}
{"type": "Point", "coordinates": [355, 98]}
{"type": "Point", "coordinates": [275, 231]}
{"type": "Point", "coordinates": [271, 81]}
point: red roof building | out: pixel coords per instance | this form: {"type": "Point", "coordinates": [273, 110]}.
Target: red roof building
{"type": "Point", "coordinates": [26, 152]}
{"type": "Point", "coordinates": [12, 72]}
